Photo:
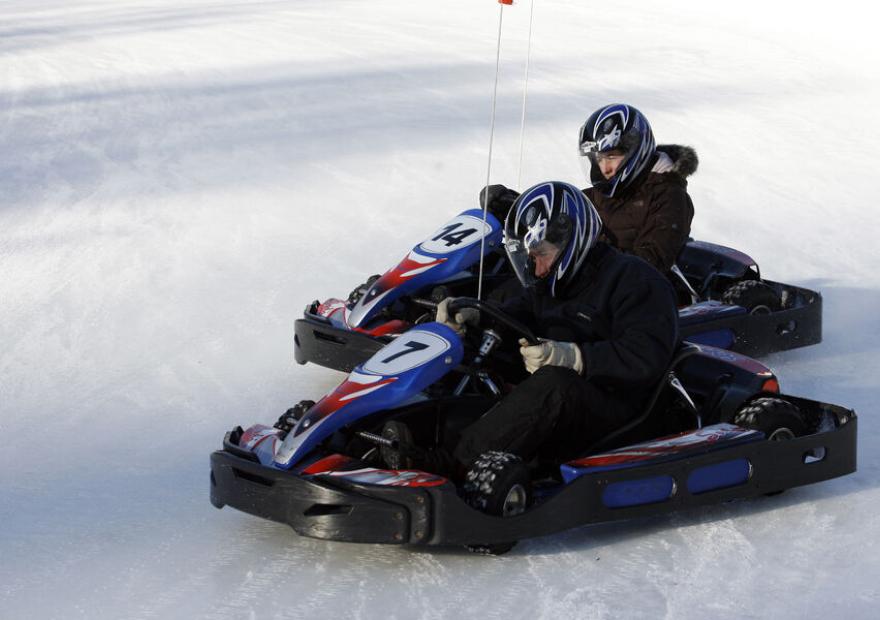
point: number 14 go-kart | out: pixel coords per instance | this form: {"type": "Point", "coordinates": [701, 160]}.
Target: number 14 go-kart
{"type": "Point", "coordinates": [726, 303]}
{"type": "Point", "coordinates": [715, 428]}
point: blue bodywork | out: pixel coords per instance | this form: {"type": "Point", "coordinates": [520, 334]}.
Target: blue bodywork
{"type": "Point", "coordinates": [441, 257]}
{"type": "Point", "coordinates": [396, 373]}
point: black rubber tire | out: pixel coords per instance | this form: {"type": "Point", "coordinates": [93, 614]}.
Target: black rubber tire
{"type": "Point", "coordinates": [778, 419]}
{"type": "Point", "coordinates": [753, 295]}
{"type": "Point", "coordinates": [293, 415]}
{"type": "Point", "coordinates": [361, 289]}
{"type": "Point", "coordinates": [498, 484]}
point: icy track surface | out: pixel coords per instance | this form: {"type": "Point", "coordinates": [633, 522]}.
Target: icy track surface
{"type": "Point", "coordinates": [178, 178]}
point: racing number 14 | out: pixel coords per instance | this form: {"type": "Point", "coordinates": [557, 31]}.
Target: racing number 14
{"type": "Point", "coordinates": [413, 345]}
{"type": "Point", "coordinates": [454, 238]}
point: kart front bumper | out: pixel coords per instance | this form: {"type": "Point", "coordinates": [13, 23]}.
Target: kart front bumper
{"type": "Point", "coordinates": [318, 341]}
{"type": "Point", "coordinates": [314, 507]}
{"type": "Point", "coordinates": [337, 509]}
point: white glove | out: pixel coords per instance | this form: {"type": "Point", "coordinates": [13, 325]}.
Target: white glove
{"type": "Point", "coordinates": [462, 318]}
{"type": "Point", "coordinates": [552, 353]}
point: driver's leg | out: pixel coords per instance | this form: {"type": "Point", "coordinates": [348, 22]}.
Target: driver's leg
{"type": "Point", "coordinates": [553, 411]}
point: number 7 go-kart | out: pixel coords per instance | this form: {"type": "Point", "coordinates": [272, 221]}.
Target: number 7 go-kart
{"type": "Point", "coordinates": [715, 428]}
{"type": "Point", "coordinates": [725, 303]}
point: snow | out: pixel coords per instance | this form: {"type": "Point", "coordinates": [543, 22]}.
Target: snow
{"type": "Point", "coordinates": [180, 177]}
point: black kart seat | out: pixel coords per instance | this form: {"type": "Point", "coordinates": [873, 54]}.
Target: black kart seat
{"type": "Point", "coordinates": [669, 381]}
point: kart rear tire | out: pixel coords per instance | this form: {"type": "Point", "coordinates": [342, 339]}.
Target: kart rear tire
{"type": "Point", "coordinates": [778, 419]}
{"type": "Point", "coordinates": [498, 484]}
{"type": "Point", "coordinates": [753, 295]}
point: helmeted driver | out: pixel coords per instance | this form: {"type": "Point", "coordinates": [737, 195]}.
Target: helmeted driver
{"type": "Point", "coordinates": [608, 328]}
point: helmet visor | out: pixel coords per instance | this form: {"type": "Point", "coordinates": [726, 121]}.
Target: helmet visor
{"type": "Point", "coordinates": [601, 166]}
{"type": "Point", "coordinates": [532, 264]}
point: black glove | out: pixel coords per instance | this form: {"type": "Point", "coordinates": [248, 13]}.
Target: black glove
{"type": "Point", "coordinates": [499, 200]}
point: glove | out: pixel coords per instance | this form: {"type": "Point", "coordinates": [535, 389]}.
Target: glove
{"type": "Point", "coordinates": [498, 199]}
{"type": "Point", "coordinates": [462, 318]}
{"type": "Point", "coordinates": [551, 353]}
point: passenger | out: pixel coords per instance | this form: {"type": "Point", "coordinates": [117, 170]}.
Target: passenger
{"type": "Point", "coordinates": [639, 189]}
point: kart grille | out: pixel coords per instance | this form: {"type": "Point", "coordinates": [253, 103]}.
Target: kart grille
{"type": "Point", "coordinates": [328, 338]}
{"type": "Point", "coordinates": [320, 510]}
{"type": "Point", "coordinates": [251, 477]}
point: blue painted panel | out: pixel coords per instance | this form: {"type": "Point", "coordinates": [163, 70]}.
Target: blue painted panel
{"type": "Point", "coordinates": [638, 492]}
{"type": "Point", "coordinates": [719, 338]}
{"type": "Point", "coordinates": [719, 476]}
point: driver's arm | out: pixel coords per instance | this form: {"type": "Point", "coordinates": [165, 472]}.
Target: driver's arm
{"type": "Point", "coordinates": [666, 228]}
{"type": "Point", "coordinates": [644, 333]}
{"type": "Point", "coordinates": [521, 306]}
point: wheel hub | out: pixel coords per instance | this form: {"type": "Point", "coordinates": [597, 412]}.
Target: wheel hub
{"type": "Point", "coordinates": [515, 502]}
{"type": "Point", "coordinates": [781, 434]}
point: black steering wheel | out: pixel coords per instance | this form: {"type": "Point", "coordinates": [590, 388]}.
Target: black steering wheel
{"type": "Point", "coordinates": [500, 317]}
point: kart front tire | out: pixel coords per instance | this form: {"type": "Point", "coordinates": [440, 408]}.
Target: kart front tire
{"type": "Point", "coordinates": [293, 415]}
{"type": "Point", "coordinates": [498, 484]}
{"type": "Point", "coordinates": [361, 289]}
{"type": "Point", "coordinates": [753, 295]}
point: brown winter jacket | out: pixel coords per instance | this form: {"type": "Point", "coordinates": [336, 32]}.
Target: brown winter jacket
{"type": "Point", "coordinates": [652, 220]}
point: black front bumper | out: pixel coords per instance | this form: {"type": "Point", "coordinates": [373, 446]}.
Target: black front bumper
{"type": "Point", "coordinates": [319, 342]}
{"type": "Point", "coordinates": [315, 507]}
{"type": "Point", "coordinates": [336, 509]}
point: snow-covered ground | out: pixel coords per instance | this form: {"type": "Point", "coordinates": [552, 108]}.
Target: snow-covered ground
{"type": "Point", "coordinates": [178, 178]}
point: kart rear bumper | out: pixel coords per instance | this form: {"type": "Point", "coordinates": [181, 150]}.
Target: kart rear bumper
{"type": "Point", "coordinates": [337, 509]}
{"type": "Point", "coordinates": [799, 324]}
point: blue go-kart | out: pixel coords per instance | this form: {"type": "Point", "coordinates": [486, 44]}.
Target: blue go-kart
{"type": "Point", "coordinates": [716, 428]}
{"type": "Point", "coordinates": [724, 302]}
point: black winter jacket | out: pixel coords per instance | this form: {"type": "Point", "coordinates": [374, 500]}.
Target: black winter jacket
{"type": "Point", "coordinates": [622, 313]}
{"type": "Point", "coordinates": [653, 219]}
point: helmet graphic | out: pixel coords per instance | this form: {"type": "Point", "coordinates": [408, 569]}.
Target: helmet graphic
{"type": "Point", "coordinates": [616, 129]}
{"type": "Point", "coordinates": [548, 233]}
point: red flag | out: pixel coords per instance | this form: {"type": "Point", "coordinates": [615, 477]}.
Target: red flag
{"type": "Point", "coordinates": [505, 1]}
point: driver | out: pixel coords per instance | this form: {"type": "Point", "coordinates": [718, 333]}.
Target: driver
{"type": "Point", "coordinates": [608, 328]}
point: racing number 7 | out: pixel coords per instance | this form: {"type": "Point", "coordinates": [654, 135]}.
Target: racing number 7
{"type": "Point", "coordinates": [413, 345]}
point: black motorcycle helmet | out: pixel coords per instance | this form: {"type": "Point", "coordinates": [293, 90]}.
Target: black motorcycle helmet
{"type": "Point", "coordinates": [548, 233]}
{"type": "Point", "coordinates": [616, 127]}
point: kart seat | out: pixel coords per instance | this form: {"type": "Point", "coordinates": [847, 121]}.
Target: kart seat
{"type": "Point", "coordinates": [669, 382]}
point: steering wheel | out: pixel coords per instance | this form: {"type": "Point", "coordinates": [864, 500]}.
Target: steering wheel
{"type": "Point", "coordinates": [505, 320]}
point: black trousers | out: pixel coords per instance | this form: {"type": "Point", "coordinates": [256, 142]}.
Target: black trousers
{"type": "Point", "coordinates": [554, 414]}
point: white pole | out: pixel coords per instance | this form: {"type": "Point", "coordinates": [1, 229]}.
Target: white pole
{"type": "Point", "coordinates": [522, 127]}
{"type": "Point", "coordinates": [491, 142]}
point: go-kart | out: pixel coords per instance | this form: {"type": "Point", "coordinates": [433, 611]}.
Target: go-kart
{"type": "Point", "coordinates": [715, 428]}
{"type": "Point", "coordinates": [724, 301]}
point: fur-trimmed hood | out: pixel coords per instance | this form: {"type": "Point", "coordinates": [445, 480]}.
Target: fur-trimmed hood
{"type": "Point", "coordinates": [684, 159]}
